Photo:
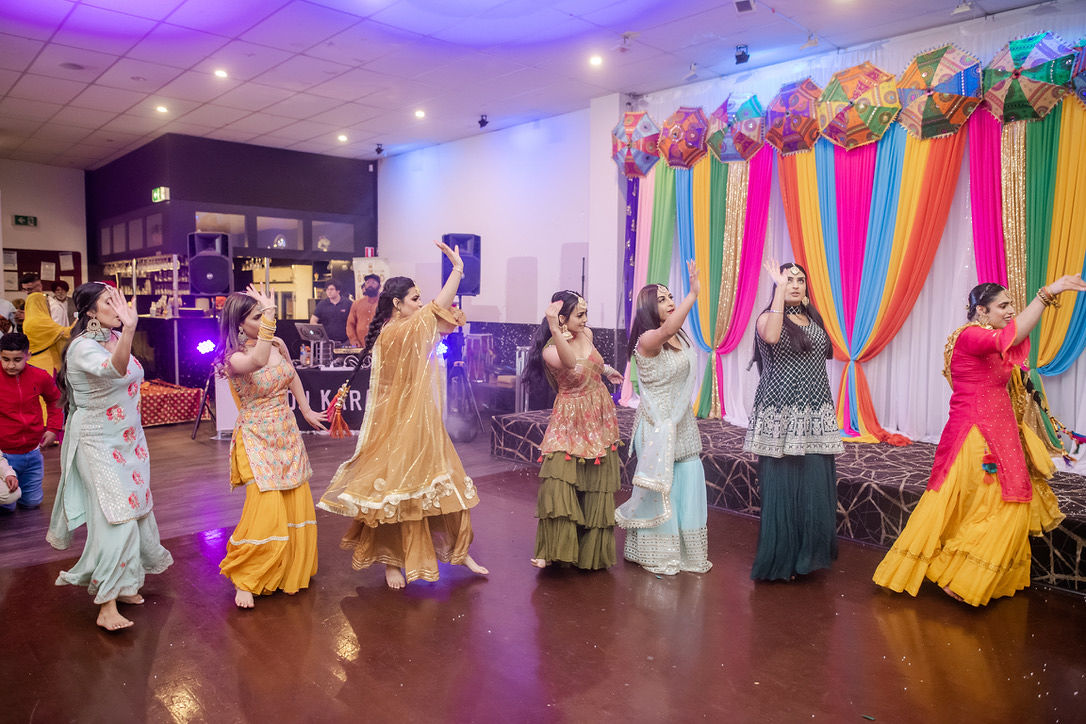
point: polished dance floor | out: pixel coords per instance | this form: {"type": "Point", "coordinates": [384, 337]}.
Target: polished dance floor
{"type": "Point", "coordinates": [521, 646]}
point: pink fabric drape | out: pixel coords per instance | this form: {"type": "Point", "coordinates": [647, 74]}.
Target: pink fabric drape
{"type": "Point", "coordinates": [854, 183]}
{"type": "Point", "coordinates": [986, 197]}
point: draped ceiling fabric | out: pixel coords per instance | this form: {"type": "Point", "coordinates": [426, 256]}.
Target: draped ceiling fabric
{"type": "Point", "coordinates": [866, 225]}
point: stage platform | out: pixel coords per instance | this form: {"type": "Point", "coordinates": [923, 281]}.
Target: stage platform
{"type": "Point", "coordinates": [877, 487]}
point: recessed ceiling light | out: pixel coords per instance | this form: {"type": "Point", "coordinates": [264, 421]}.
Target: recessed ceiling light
{"type": "Point", "coordinates": [162, 109]}
{"type": "Point", "coordinates": [342, 137]}
{"type": "Point", "coordinates": [595, 60]}
{"type": "Point", "coordinates": [420, 113]}
{"type": "Point", "coordinates": [220, 73]}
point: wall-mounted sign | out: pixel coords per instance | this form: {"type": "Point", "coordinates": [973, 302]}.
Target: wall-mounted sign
{"type": "Point", "coordinates": [162, 193]}
{"type": "Point", "coordinates": [24, 220]}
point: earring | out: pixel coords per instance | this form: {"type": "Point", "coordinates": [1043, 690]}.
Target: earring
{"type": "Point", "coordinates": [242, 337]}
{"type": "Point", "coordinates": [806, 301]}
{"type": "Point", "coordinates": [566, 334]}
{"type": "Point", "coordinates": [982, 318]}
{"type": "Point", "coordinates": [95, 331]}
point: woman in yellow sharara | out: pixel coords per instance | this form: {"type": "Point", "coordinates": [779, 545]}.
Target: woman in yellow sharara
{"type": "Point", "coordinates": [405, 486]}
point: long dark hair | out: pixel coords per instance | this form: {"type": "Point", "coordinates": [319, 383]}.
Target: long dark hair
{"type": "Point", "coordinates": [535, 371]}
{"type": "Point", "coordinates": [983, 295]}
{"type": "Point", "coordinates": [238, 306]}
{"type": "Point", "coordinates": [792, 333]}
{"type": "Point", "coordinates": [647, 316]}
{"type": "Point", "coordinates": [86, 298]}
{"type": "Point", "coordinates": [395, 288]}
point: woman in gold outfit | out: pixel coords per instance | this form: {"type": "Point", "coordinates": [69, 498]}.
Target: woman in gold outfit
{"type": "Point", "coordinates": [404, 486]}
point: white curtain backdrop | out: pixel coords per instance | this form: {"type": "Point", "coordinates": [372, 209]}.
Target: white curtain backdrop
{"type": "Point", "coordinates": [907, 386]}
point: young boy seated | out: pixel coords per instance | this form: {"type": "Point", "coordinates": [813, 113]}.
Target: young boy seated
{"type": "Point", "coordinates": [22, 431]}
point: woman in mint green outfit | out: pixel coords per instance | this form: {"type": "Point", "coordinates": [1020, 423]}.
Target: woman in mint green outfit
{"type": "Point", "coordinates": [105, 468]}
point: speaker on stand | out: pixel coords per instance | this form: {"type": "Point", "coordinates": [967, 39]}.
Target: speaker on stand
{"type": "Point", "coordinates": [211, 270]}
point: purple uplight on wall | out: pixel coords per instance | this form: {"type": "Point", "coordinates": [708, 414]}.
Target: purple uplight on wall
{"type": "Point", "coordinates": [206, 346]}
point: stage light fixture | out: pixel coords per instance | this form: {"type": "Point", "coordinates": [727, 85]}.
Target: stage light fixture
{"type": "Point", "coordinates": [205, 347]}
{"type": "Point", "coordinates": [380, 149]}
{"type": "Point", "coordinates": [742, 54]}
{"type": "Point", "coordinates": [962, 7]}
{"type": "Point", "coordinates": [812, 41]}
{"type": "Point", "coordinates": [483, 122]}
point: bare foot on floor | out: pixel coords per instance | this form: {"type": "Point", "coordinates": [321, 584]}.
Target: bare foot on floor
{"type": "Point", "coordinates": [956, 597]}
{"type": "Point", "coordinates": [110, 619]}
{"type": "Point", "coordinates": [133, 600]}
{"type": "Point", "coordinates": [243, 599]}
{"type": "Point", "coordinates": [538, 562]}
{"type": "Point", "coordinates": [394, 578]}
{"type": "Point", "coordinates": [474, 567]}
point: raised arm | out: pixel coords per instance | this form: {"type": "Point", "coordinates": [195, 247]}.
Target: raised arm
{"type": "Point", "coordinates": [244, 363]}
{"type": "Point", "coordinates": [771, 321]}
{"type": "Point", "coordinates": [1031, 315]}
{"type": "Point", "coordinates": [127, 314]}
{"type": "Point", "coordinates": [653, 340]}
{"type": "Point", "coordinates": [561, 353]}
{"type": "Point", "coordinates": [444, 298]}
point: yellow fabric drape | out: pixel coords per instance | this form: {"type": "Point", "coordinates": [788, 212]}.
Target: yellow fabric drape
{"type": "Point", "coordinates": [1067, 245]}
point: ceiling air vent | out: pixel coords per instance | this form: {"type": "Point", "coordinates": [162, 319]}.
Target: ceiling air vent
{"type": "Point", "coordinates": [744, 6]}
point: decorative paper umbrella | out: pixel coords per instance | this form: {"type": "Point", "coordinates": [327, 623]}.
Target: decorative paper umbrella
{"type": "Point", "coordinates": [684, 138]}
{"type": "Point", "coordinates": [1078, 80]}
{"type": "Point", "coordinates": [633, 143]}
{"type": "Point", "coordinates": [748, 127]}
{"type": "Point", "coordinates": [791, 119]}
{"type": "Point", "coordinates": [720, 137]}
{"type": "Point", "coordinates": [939, 91]}
{"type": "Point", "coordinates": [1028, 77]}
{"type": "Point", "coordinates": [858, 105]}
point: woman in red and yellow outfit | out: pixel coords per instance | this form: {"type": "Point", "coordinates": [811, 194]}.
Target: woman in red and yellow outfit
{"type": "Point", "coordinates": [580, 473]}
{"type": "Point", "coordinates": [966, 534]}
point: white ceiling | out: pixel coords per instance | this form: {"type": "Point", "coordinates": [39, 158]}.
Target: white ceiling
{"type": "Point", "coordinates": [80, 80]}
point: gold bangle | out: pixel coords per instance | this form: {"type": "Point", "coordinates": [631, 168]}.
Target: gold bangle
{"type": "Point", "coordinates": [458, 269]}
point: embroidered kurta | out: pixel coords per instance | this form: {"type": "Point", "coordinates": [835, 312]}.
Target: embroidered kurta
{"type": "Point", "coordinates": [105, 435]}
{"type": "Point", "coordinates": [267, 428]}
{"type": "Point", "coordinates": [404, 467]}
{"type": "Point", "coordinates": [583, 422]}
{"type": "Point", "coordinates": [793, 410]}
{"type": "Point", "coordinates": [981, 364]}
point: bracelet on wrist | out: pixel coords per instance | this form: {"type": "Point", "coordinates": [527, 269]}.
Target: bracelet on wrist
{"type": "Point", "coordinates": [775, 311]}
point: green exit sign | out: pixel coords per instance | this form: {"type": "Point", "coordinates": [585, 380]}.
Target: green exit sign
{"type": "Point", "coordinates": [24, 220]}
{"type": "Point", "coordinates": [162, 193]}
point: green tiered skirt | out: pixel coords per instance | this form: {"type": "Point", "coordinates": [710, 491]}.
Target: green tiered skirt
{"type": "Point", "coordinates": [576, 510]}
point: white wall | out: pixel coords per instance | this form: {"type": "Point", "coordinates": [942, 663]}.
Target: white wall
{"type": "Point", "coordinates": [524, 190]}
{"type": "Point", "coordinates": [56, 196]}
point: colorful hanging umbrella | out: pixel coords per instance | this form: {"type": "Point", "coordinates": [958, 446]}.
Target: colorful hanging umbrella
{"type": "Point", "coordinates": [720, 137]}
{"type": "Point", "coordinates": [748, 127]}
{"type": "Point", "coordinates": [684, 137]}
{"type": "Point", "coordinates": [633, 144]}
{"type": "Point", "coordinates": [858, 105]}
{"type": "Point", "coordinates": [1028, 77]}
{"type": "Point", "coordinates": [791, 118]}
{"type": "Point", "coordinates": [939, 91]}
{"type": "Point", "coordinates": [1078, 79]}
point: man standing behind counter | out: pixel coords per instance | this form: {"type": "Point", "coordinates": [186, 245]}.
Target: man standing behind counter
{"type": "Point", "coordinates": [358, 321]}
{"type": "Point", "coordinates": [332, 312]}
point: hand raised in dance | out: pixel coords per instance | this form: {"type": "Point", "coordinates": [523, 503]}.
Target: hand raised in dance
{"type": "Point", "coordinates": [261, 295]}
{"type": "Point", "coordinates": [126, 313]}
{"type": "Point", "coordinates": [551, 313]}
{"type": "Point", "coordinates": [774, 269]}
{"type": "Point", "coordinates": [314, 418]}
{"type": "Point", "coordinates": [452, 253]}
{"type": "Point", "coordinates": [695, 278]}
{"type": "Point", "coordinates": [1068, 283]}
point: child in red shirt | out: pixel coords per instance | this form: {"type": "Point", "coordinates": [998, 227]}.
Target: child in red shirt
{"type": "Point", "coordinates": [22, 430]}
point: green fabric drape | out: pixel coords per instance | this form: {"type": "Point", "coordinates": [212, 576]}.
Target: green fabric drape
{"type": "Point", "coordinates": [663, 226]}
{"type": "Point", "coordinates": [717, 215]}
{"type": "Point", "coordinates": [1042, 144]}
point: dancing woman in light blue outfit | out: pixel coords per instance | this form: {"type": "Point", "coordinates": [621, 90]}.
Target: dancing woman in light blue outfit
{"type": "Point", "coordinates": [665, 517]}
{"type": "Point", "coordinates": [105, 467]}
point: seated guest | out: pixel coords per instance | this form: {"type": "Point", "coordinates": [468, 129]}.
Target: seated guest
{"type": "Point", "coordinates": [22, 432]}
{"type": "Point", "coordinates": [358, 321]}
{"type": "Point", "coordinates": [9, 489]}
{"type": "Point", "coordinates": [332, 312]}
{"type": "Point", "coordinates": [7, 316]}
{"type": "Point", "coordinates": [61, 306]}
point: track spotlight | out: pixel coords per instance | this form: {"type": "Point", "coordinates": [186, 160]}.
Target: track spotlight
{"type": "Point", "coordinates": [483, 121]}
{"type": "Point", "coordinates": [742, 54]}
{"type": "Point", "coordinates": [380, 149]}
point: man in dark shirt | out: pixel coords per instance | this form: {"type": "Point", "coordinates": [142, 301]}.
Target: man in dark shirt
{"type": "Point", "coordinates": [332, 312]}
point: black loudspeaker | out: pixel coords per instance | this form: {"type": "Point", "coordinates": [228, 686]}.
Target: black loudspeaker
{"type": "Point", "coordinates": [201, 242]}
{"type": "Point", "coordinates": [471, 253]}
{"type": "Point", "coordinates": [211, 274]}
